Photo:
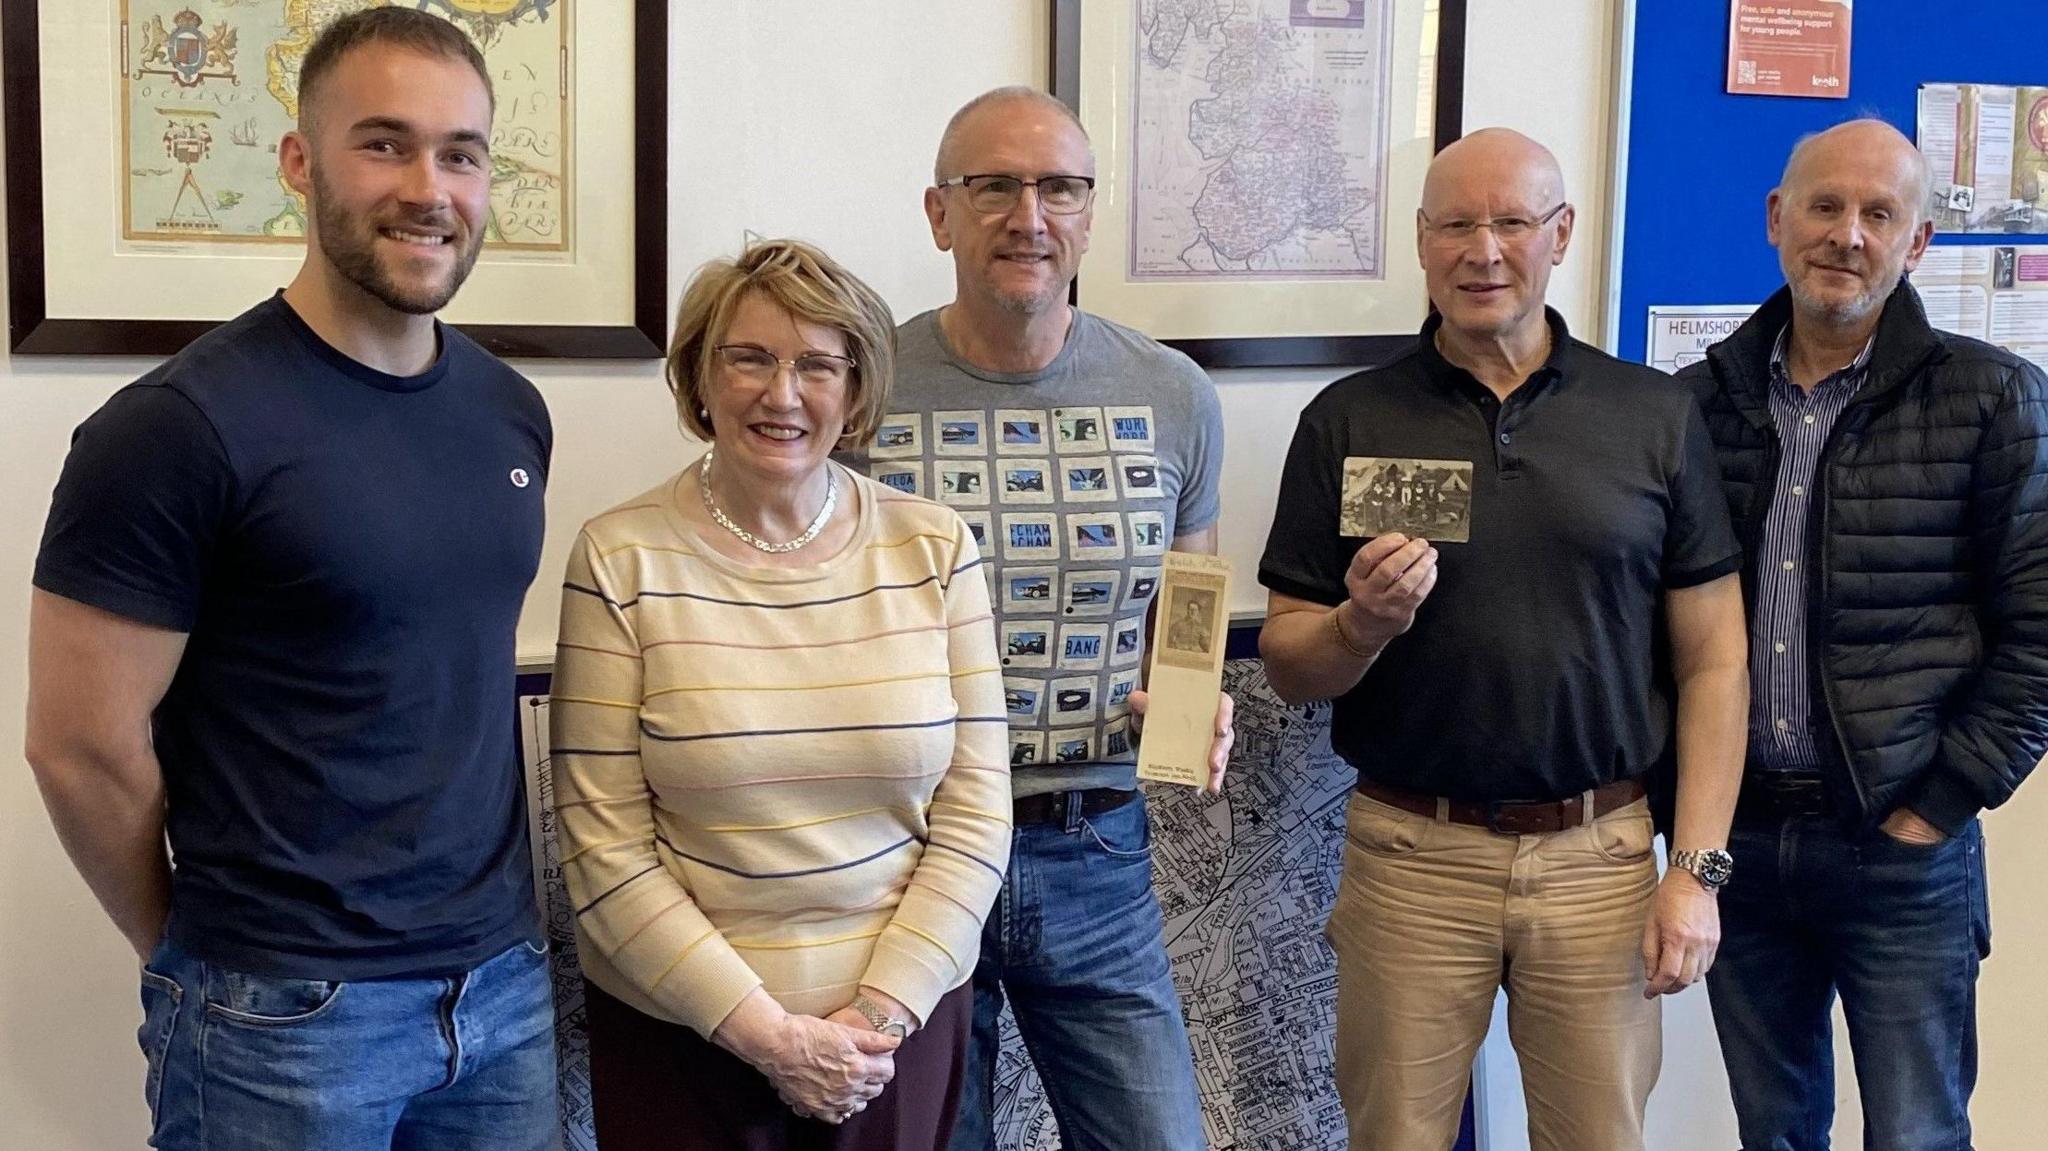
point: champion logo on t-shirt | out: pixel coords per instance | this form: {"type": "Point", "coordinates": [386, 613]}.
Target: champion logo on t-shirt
{"type": "Point", "coordinates": [519, 478]}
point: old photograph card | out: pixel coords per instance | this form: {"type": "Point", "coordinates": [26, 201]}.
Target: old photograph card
{"type": "Point", "coordinates": [1188, 636]}
{"type": "Point", "coordinates": [1429, 499]}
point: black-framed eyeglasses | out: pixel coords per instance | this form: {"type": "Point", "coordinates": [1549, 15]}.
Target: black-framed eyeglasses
{"type": "Point", "coordinates": [1506, 229]}
{"type": "Point", "coordinates": [993, 192]}
{"type": "Point", "coordinates": [758, 363]}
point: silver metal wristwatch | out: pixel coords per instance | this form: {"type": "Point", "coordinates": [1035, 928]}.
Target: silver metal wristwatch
{"type": "Point", "coordinates": [880, 1019]}
{"type": "Point", "coordinates": [1711, 866]}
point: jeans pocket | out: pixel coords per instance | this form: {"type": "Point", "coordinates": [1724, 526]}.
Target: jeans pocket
{"type": "Point", "coordinates": [268, 1000]}
{"type": "Point", "coordinates": [1383, 829]}
{"type": "Point", "coordinates": [1124, 838]}
{"type": "Point", "coordinates": [161, 997]}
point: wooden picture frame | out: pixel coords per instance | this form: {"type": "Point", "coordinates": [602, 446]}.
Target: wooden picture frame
{"type": "Point", "coordinates": [636, 328]}
{"type": "Point", "coordinates": [1104, 99]}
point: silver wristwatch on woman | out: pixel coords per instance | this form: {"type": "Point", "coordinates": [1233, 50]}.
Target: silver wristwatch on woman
{"type": "Point", "coordinates": [880, 1019]}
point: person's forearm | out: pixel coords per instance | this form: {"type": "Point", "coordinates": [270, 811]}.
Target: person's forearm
{"type": "Point", "coordinates": [1713, 717]}
{"type": "Point", "coordinates": [111, 824]}
{"type": "Point", "coordinates": [753, 1029]}
{"type": "Point", "coordinates": [1306, 660]}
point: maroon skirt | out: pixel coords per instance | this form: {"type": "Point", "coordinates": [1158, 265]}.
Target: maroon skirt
{"type": "Point", "coordinates": [659, 1086]}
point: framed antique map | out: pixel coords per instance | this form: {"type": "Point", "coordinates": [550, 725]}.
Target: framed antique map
{"type": "Point", "coordinates": [144, 201]}
{"type": "Point", "coordinates": [1259, 164]}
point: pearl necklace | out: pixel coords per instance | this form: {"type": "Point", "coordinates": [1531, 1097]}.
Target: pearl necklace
{"type": "Point", "coordinates": [756, 542]}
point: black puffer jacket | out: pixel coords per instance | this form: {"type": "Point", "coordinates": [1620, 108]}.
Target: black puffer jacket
{"type": "Point", "coordinates": [1927, 617]}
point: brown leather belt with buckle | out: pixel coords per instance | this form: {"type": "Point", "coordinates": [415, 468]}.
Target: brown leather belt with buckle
{"type": "Point", "coordinates": [1052, 807]}
{"type": "Point", "coordinates": [1513, 817]}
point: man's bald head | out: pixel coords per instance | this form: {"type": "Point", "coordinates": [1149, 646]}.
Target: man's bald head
{"type": "Point", "coordinates": [954, 143]}
{"type": "Point", "coordinates": [1492, 224]}
{"type": "Point", "coordinates": [1866, 138]}
{"type": "Point", "coordinates": [1496, 160]}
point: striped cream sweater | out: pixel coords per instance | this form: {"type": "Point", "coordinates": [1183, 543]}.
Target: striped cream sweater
{"type": "Point", "coordinates": [787, 778]}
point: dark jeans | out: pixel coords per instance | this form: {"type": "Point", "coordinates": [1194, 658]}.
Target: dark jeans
{"type": "Point", "coordinates": [242, 1062]}
{"type": "Point", "coordinates": [1076, 941]}
{"type": "Point", "coordinates": [1898, 930]}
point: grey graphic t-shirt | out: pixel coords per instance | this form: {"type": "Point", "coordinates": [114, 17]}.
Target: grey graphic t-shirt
{"type": "Point", "coordinates": [1075, 480]}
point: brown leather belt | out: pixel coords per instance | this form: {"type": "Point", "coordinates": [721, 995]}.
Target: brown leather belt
{"type": "Point", "coordinates": [1512, 817]}
{"type": "Point", "coordinates": [1052, 806]}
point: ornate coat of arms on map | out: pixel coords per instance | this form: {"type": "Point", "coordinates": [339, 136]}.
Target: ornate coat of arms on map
{"type": "Point", "coordinates": [186, 51]}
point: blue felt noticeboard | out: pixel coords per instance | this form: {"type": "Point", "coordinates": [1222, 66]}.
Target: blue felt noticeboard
{"type": "Point", "coordinates": [1701, 161]}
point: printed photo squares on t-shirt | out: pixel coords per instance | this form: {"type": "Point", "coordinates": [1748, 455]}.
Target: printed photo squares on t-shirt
{"type": "Point", "coordinates": [1073, 745]}
{"type": "Point", "coordinates": [963, 482]}
{"type": "Point", "coordinates": [1083, 646]}
{"type": "Point", "coordinates": [1144, 582]}
{"type": "Point", "coordinates": [906, 477]}
{"type": "Point", "coordinates": [1021, 432]}
{"type": "Point", "coordinates": [1140, 477]}
{"type": "Point", "coordinates": [1023, 698]}
{"type": "Point", "coordinates": [1027, 748]}
{"type": "Point", "coordinates": [1031, 536]}
{"type": "Point", "coordinates": [1027, 643]}
{"type": "Point", "coordinates": [1087, 480]}
{"type": "Point", "coordinates": [1126, 641]}
{"type": "Point", "coordinates": [1025, 481]}
{"type": "Point", "coordinates": [960, 433]}
{"type": "Point", "coordinates": [1027, 591]}
{"type": "Point", "coordinates": [1096, 536]}
{"type": "Point", "coordinates": [1118, 701]}
{"type": "Point", "coordinates": [1130, 429]}
{"type": "Point", "coordinates": [1116, 739]}
{"type": "Point", "coordinates": [1073, 699]}
{"type": "Point", "coordinates": [1078, 430]}
{"type": "Point", "coordinates": [901, 437]}
{"type": "Point", "coordinates": [1091, 593]}
{"type": "Point", "coordinates": [979, 524]}
{"type": "Point", "coordinates": [1148, 533]}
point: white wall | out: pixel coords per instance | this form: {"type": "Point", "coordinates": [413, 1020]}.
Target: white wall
{"type": "Point", "coordinates": [781, 96]}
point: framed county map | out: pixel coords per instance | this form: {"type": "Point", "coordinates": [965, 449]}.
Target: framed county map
{"type": "Point", "coordinates": [1259, 164]}
{"type": "Point", "coordinates": [144, 202]}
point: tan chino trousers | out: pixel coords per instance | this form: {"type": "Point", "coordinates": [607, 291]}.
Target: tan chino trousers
{"type": "Point", "coordinates": [1432, 917]}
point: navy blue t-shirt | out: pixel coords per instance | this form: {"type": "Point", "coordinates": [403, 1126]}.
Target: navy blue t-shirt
{"type": "Point", "coordinates": [348, 552]}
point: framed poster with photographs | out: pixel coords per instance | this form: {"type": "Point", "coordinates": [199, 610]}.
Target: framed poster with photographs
{"type": "Point", "coordinates": [1258, 168]}
{"type": "Point", "coordinates": [144, 204]}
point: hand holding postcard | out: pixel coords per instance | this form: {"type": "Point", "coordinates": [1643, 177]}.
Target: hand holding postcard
{"type": "Point", "coordinates": [1187, 669]}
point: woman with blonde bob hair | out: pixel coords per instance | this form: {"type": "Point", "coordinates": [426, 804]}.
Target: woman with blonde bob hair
{"type": "Point", "coordinates": [779, 753]}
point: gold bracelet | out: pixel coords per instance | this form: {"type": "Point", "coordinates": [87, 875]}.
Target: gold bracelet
{"type": "Point", "coordinates": [1337, 629]}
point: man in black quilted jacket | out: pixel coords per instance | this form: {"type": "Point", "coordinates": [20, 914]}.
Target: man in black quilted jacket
{"type": "Point", "coordinates": [1890, 484]}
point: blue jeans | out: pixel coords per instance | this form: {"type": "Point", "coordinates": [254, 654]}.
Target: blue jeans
{"type": "Point", "coordinates": [1898, 931]}
{"type": "Point", "coordinates": [1076, 940]}
{"type": "Point", "coordinates": [241, 1062]}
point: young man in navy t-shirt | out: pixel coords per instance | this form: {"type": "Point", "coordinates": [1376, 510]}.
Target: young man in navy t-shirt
{"type": "Point", "coordinates": [273, 622]}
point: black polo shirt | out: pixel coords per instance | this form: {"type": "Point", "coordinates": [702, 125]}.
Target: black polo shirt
{"type": "Point", "coordinates": [1538, 667]}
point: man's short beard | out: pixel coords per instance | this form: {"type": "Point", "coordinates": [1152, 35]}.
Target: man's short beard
{"type": "Point", "coordinates": [356, 258]}
{"type": "Point", "coordinates": [1034, 304]}
{"type": "Point", "coordinates": [1838, 313]}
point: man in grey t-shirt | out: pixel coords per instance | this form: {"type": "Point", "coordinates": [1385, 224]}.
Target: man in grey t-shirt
{"type": "Point", "coordinates": [1080, 452]}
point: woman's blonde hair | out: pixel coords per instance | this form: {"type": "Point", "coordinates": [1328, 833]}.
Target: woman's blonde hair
{"type": "Point", "coordinates": [809, 285]}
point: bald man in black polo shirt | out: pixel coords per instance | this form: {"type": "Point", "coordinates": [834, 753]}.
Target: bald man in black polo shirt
{"type": "Point", "coordinates": [1504, 697]}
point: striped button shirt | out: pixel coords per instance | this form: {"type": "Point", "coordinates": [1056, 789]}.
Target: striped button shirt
{"type": "Point", "coordinates": [1781, 734]}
